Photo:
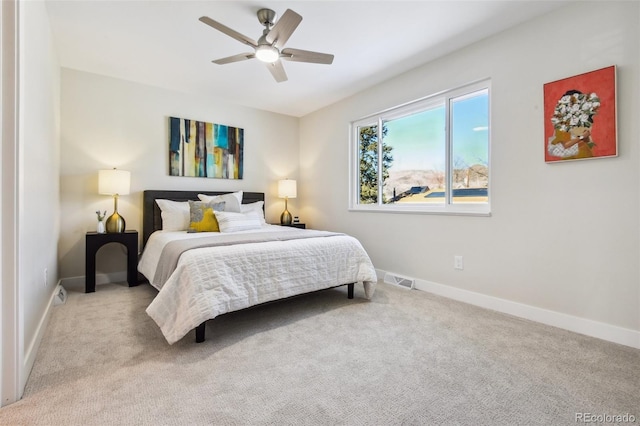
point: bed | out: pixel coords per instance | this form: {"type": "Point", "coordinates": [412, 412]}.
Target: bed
{"type": "Point", "coordinates": [202, 275]}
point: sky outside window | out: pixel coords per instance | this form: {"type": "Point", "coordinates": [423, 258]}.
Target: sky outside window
{"type": "Point", "coordinates": [418, 140]}
{"type": "Point", "coordinates": [471, 130]}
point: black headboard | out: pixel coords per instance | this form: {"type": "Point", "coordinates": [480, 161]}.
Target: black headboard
{"type": "Point", "coordinates": [152, 219]}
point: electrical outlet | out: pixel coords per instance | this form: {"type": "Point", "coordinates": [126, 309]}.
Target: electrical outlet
{"type": "Point", "coordinates": [458, 263]}
{"type": "Point", "coordinates": [45, 276]}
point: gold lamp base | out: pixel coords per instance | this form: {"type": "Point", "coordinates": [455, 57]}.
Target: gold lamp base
{"type": "Point", "coordinates": [115, 223]}
{"type": "Point", "coordinates": [285, 218]}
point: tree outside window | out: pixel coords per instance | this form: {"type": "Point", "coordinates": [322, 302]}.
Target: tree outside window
{"type": "Point", "coordinates": [368, 137]}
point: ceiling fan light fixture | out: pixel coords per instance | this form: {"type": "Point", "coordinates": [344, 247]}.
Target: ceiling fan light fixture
{"type": "Point", "coordinates": [267, 48]}
{"type": "Point", "coordinates": [267, 53]}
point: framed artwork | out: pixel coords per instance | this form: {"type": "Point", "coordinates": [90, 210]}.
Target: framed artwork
{"type": "Point", "coordinates": [201, 149]}
{"type": "Point", "coordinates": [580, 116]}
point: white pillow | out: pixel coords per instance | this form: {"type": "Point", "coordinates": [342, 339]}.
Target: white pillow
{"type": "Point", "coordinates": [232, 200]}
{"type": "Point", "coordinates": [234, 222]}
{"type": "Point", "coordinates": [256, 207]}
{"type": "Point", "coordinates": [175, 215]}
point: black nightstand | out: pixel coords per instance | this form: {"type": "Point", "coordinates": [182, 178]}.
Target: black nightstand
{"type": "Point", "coordinates": [94, 241]}
{"type": "Point", "coordinates": [294, 225]}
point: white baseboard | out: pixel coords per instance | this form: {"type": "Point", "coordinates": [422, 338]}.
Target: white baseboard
{"type": "Point", "coordinates": [600, 330]}
{"type": "Point", "coordinates": [78, 283]}
{"type": "Point", "coordinates": [32, 349]}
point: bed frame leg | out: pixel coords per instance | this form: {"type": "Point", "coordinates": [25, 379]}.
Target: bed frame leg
{"type": "Point", "coordinates": [350, 290]}
{"type": "Point", "coordinates": [200, 333]}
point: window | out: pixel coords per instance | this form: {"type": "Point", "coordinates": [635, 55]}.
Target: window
{"type": "Point", "coordinates": [431, 155]}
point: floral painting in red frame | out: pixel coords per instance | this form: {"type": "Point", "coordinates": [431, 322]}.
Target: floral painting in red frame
{"type": "Point", "coordinates": [580, 117]}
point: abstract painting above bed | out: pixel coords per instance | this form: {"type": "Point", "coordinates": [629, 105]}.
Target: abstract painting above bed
{"type": "Point", "coordinates": [201, 149]}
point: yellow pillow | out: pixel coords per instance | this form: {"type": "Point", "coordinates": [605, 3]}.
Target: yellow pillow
{"type": "Point", "coordinates": [202, 218]}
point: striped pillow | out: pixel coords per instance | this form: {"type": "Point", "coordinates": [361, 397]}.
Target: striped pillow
{"type": "Point", "coordinates": [234, 222]}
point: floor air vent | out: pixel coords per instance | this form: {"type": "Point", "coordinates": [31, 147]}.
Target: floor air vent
{"type": "Point", "coordinates": [60, 297]}
{"type": "Point", "coordinates": [399, 281]}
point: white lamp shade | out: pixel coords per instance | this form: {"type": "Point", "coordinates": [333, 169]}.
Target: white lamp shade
{"type": "Point", "coordinates": [112, 182]}
{"type": "Point", "coordinates": [287, 188]}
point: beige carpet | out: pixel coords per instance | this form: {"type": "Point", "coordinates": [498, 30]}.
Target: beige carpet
{"type": "Point", "coordinates": [406, 357]}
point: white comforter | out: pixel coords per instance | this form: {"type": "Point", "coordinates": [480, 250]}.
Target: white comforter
{"type": "Point", "coordinates": [212, 281]}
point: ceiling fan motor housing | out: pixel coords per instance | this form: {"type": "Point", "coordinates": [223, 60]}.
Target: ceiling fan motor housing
{"type": "Point", "coordinates": [266, 17]}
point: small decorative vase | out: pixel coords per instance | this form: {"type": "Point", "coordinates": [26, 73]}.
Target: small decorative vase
{"type": "Point", "coordinates": [100, 229]}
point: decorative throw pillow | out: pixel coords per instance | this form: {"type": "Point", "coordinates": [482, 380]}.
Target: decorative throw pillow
{"type": "Point", "coordinates": [202, 218]}
{"type": "Point", "coordinates": [175, 215]}
{"type": "Point", "coordinates": [234, 222]}
{"type": "Point", "coordinates": [257, 207]}
{"type": "Point", "coordinates": [232, 200]}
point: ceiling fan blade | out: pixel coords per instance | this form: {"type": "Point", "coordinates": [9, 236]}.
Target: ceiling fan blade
{"type": "Point", "coordinates": [277, 71]}
{"type": "Point", "coordinates": [283, 29]}
{"type": "Point", "coordinates": [228, 31]}
{"type": "Point", "coordinates": [234, 58]}
{"type": "Point", "coordinates": [298, 55]}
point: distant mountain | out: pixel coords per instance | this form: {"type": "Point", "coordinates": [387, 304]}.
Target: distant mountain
{"type": "Point", "coordinates": [476, 176]}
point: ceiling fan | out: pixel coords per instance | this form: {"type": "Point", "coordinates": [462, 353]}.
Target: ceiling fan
{"type": "Point", "coordinates": [269, 47]}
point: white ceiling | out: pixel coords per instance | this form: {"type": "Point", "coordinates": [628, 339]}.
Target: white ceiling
{"type": "Point", "coordinates": [162, 43]}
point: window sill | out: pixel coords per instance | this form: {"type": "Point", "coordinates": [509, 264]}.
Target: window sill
{"type": "Point", "coordinates": [459, 210]}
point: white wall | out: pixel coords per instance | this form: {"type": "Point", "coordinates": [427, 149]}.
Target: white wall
{"type": "Point", "coordinates": [35, 171]}
{"type": "Point", "coordinates": [108, 123]}
{"type": "Point", "coordinates": [562, 237]}
{"type": "Point", "coordinates": [8, 213]}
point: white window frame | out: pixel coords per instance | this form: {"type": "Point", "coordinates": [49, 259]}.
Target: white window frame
{"type": "Point", "coordinates": [441, 98]}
